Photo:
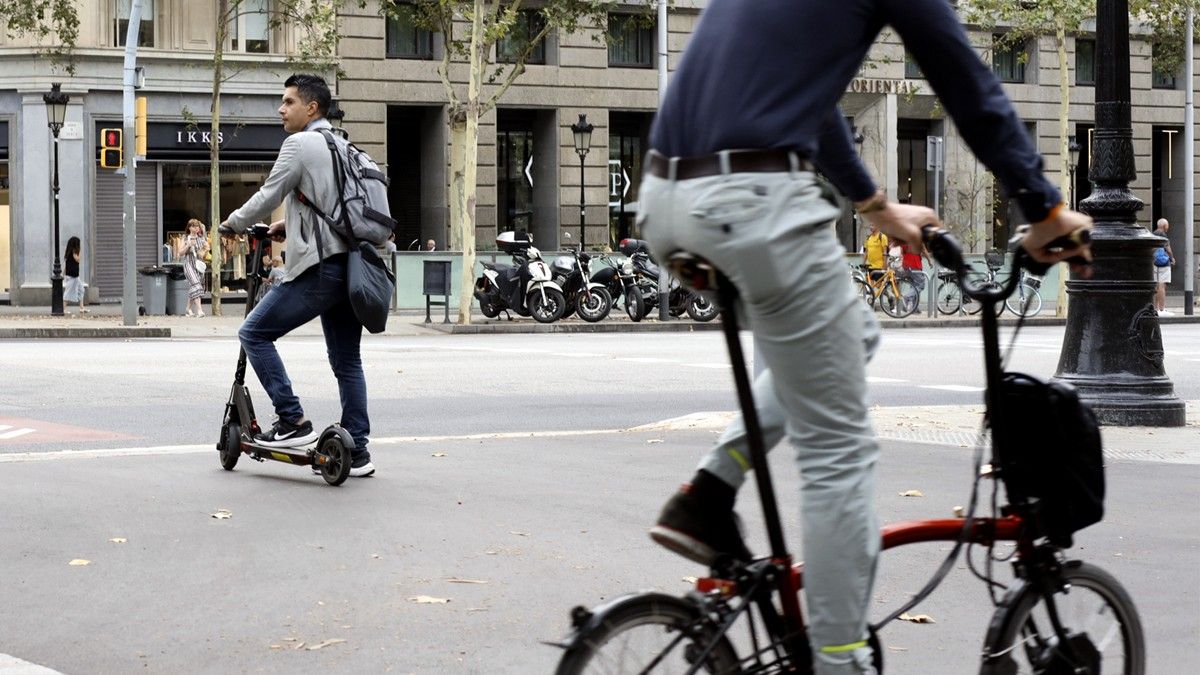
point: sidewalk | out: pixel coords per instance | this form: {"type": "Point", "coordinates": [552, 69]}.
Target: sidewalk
{"type": "Point", "coordinates": [106, 321]}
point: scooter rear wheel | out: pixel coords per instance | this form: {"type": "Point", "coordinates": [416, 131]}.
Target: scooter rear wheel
{"type": "Point", "coordinates": [336, 468]}
{"type": "Point", "coordinates": [231, 449]}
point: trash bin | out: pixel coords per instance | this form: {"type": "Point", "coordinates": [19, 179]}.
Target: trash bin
{"type": "Point", "coordinates": [154, 290]}
{"type": "Point", "coordinates": [177, 290]}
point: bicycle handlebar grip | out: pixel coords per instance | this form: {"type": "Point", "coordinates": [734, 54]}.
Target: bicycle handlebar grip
{"type": "Point", "coordinates": [259, 231]}
{"type": "Point", "coordinates": [225, 231]}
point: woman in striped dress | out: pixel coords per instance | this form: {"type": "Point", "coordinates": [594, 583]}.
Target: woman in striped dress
{"type": "Point", "coordinates": [191, 252]}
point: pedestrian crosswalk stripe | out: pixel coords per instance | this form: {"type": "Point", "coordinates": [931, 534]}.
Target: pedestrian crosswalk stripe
{"type": "Point", "coordinates": [11, 665]}
{"type": "Point", "coordinates": [951, 387]}
{"type": "Point", "coordinates": [14, 433]}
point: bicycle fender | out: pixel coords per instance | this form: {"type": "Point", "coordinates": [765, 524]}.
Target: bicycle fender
{"type": "Point", "coordinates": [584, 621]}
{"type": "Point", "coordinates": [1002, 664]}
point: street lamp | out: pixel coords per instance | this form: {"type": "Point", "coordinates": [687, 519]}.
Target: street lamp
{"type": "Point", "coordinates": [583, 142]}
{"type": "Point", "coordinates": [56, 113]}
{"type": "Point", "coordinates": [1073, 155]}
{"type": "Point", "coordinates": [335, 115]}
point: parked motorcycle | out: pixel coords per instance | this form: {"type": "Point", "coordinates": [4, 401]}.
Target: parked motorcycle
{"type": "Point", "coordinates": [573, 274]}
{"type": "Point", "coordinates": [619, 279]}
{"type": "Point", "coordinates": [679, 299]}
{"type": "Point", "coordinates": [526, 287]}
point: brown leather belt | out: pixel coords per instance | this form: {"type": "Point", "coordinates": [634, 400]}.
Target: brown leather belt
{"type": "Point", "coordinates": [740, 161]}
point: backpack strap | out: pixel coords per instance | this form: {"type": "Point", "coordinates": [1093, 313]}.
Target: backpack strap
{"type": "Point", "coordinates": [339, 182]}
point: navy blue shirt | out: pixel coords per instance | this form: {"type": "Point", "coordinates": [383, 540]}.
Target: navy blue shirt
{"type": "Point", "coordinates": [769, 73]}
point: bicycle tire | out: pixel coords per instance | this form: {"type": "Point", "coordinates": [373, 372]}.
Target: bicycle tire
{"type": "Point", "coordinates": [1017, 641]}
{"type": "Point", "coordinates": [949, 298]}
{"type": "Point", "coordinates": [608, 640]}
{"type": "Point", "coordinates": [899, 307]}
{"type": "Point", "coordinates": [863, 290]}
{"type": "Point", "coordinates": [1025, 294]}
{"type": "Point", "coordinates": [973, 306]}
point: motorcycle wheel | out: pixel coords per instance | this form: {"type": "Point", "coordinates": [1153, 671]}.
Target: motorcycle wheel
{"type": "Point", "coordinates": [594, 306]}
{"type": "Point", "coordinates": [489, 309]}
{"type": "Point", "coordinates": [547, 311]}
{"type": "Point", "coordinates": [635, 305]}
{"type": "Point", "coordinates": [702, 309]}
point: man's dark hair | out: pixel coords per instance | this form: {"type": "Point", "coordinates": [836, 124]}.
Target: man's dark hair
{"type": "Point", "coordinates": [311, 88]}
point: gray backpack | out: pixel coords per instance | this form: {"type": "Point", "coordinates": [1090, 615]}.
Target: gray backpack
{"type": "Point", "coordinates": [362, 212]}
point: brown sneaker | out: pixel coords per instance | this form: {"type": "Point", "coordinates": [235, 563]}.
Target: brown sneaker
{"type": "Point", "coordinates": [699, 529]}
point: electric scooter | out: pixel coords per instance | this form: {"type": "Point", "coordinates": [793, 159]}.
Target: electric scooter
{"type": "Point", "coordinates": [331, 452]}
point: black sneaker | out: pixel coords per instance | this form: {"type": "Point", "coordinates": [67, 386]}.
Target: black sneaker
{"type": "Point", "coordinates": [700, 529]}
{"type": "Point", "coordinates": [284, 434]}
{"type": "Point", "coordinates": [361, 466]}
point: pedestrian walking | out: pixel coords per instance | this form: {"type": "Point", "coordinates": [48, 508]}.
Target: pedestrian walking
{"type": "Point", "coordinates": [192, 247]}
{"type": "Point", "coordinates": [73, 289]}
{"type": "Point", "coordinates": [1164, 260]}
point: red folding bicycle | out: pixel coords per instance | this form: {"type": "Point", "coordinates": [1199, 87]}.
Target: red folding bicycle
{"type": "Point", "coordinates": [1059, 616]}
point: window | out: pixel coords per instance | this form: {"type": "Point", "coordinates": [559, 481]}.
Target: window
{"type": "Point", "coordinates": [1085, 61]}
{"type": "Point", "coordinates": [1160, 79]}
{"type": "Point", "coordinates": [514, 170]}
{"type": "Point", "coordinates": [630, 44]}
{"type": "Point", "coordinates": [404, 39]}
{"type": "Point", "coordinates": [121, 23]}
{"type": "Point", "coordinates": [1008, 62]}
{"type": "Point", "coordinates": [250, 29]}
{"type": "Point", "coordinates": [911, 70]}
{"type": "Point", "coordinates": [529, 23]}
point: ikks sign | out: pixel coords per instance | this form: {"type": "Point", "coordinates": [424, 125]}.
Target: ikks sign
{"type": "Point", "coordinates": [181, 140]}
{"type": "Point", "coordinates": [868, 85]}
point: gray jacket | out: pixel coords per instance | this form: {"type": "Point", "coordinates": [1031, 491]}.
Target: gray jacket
{"type": "Point", "coordinates": [304, 162]}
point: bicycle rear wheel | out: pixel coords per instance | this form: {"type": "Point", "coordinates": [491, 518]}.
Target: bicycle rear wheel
{"type": "Point", "coordinates": [900, 306]}
{"type": "Point", "coordinates": [1101, 623]}
{"type": "Point", "coordinates": [949, 298]}
{"type": "Point", "coordinates": [652, 633]}
{"type": "Point", "coordinates": [1026, 301]}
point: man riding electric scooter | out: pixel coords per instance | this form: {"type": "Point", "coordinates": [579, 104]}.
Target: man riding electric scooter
{"type": "Point", "coordinates": [314, 282]}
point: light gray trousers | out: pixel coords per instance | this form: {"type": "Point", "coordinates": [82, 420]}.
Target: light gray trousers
{"type": "Point", "coordinates": [771, 235]}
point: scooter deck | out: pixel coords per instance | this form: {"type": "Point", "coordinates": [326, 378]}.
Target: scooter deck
{"type": "Point", "coordinates": [301, 456]}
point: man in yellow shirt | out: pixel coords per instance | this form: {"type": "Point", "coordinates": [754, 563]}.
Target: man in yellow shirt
{"type": "Point", "coordinates": [875, 247]}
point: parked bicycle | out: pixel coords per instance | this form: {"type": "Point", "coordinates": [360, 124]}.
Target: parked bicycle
{"type": "Point", "coordinates": [1058, 616]}
{"type": "Point", "coordinates": [897, 297]}
{"type": "Point", "coordinates": [1026, 300]}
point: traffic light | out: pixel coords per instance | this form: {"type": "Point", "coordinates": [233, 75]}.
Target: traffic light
{"type": "Point", "coordinates": [112, 154]}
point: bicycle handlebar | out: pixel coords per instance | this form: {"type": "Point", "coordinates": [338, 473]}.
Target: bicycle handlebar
{"type": "Point", "coordinates": [948, 252]}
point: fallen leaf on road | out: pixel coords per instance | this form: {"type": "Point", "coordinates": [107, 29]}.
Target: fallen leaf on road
{"type": "Point", "coordinates": [290, 639]}
{"type": "Point", "coordinates": [326, 643]}
{"type": "Point", "coordinates": [298, 646]}
{"type": "Point", "coordinates": [916, 618]}
{"type": "Point", "coordinates": [960, 512]}
{"type": "Point", "coordinates": [375, 556]}
{"type": "Point", "coordinates": [79, 562]}
{"type": "Point", "coordinates": [276, 646]}
{"type": "Point", "coordinates": [519, 534]}
{"type": "Point", "coordinates": [897, 649]}
{"type": "Point", "coordinates": [118, 540]}
{"type": "Point", "coordinates": [223, 514]}
{"type": "Point", "coordinates": [428, 600]}
{"type": "Point", "coordinates": [438, 454]}
{"type": "Point", "coordinates": [654, 440]}
{"type": "Point", "coordinates": [690, 580]}
{"type": "Point", "coordinates": [912, 493]}
{"type": "Point", "coordinates": [477, 609]}
{"type": "Point", "coordinates": [456, 580]}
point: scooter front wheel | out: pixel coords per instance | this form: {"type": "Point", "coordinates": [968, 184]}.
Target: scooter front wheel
{"type": "Point", "coordinates": [231, 446]}
{"type": "Point", "coordinates": [546, 304]}
{"type": "Point", "coordinates": [335, 446]}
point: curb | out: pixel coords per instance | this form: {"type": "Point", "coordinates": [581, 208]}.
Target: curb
{"type": "Point", "coordinates": [84, 333]}
{"type": "Point", "coordinates": [515, 327]}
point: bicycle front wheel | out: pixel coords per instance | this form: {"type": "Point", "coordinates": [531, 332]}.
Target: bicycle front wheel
{"type": "Point", "coordinates": [899, 300]}
{"type": "Point", "coordinates": [949, 298]}
{"type": "Point", "coordinates": [1100, 622]}
{"type": "Point", "coordinates": [1025, 301]}
{"type": "Point", "coordinates": [651, 633]}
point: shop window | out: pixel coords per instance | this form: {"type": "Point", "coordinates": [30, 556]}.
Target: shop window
{"type": "Point", "coordinates": [514, 168]}
{"type": "Point", "coordinates": [250, 28]}
{"type": "Point", "coordinates": [626, 148]}
{"type": "Point", "coordinates": [404, 39]}
{"type": "Point", "coordinates": [1085, 61]}
{"type": "Point", "coordinates": [630, 42]}
{"type": "Point", "coordinates": [528, 24]}
{"type": "Point", "coordinates": [121, 23]}
{"type": "Point", "coordinates": [1008, 61]}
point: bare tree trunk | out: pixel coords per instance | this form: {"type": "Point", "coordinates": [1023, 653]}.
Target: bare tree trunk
{"type": "Point", "coordinates": [1064, 180]}
{"type": "Point", "coordinates": [464, 192]}
{"type": "Point", "coordinates": [214, 155]}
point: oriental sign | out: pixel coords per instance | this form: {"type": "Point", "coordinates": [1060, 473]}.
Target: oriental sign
{"type": "Point", "coordinates": [868, 85]}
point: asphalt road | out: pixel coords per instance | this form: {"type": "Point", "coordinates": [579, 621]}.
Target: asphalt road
{"type": "Point", "coordinates": [512, 531]}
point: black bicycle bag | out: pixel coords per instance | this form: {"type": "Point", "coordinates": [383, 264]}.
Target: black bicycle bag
{"type": "Point", "coordinates": [1051, 459]}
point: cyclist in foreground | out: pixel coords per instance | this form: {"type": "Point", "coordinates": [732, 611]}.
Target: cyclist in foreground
{"type": "Point", "coordinates": [747, 119]}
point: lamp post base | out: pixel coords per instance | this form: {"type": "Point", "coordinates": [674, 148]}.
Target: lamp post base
{"type": "Point", "coordinates": [56, 296]}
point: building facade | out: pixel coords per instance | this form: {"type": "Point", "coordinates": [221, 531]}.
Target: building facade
{"type": "Point", "coordinates": [530, 176]}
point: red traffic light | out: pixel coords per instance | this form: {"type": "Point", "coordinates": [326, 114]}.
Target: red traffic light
{"type": "Point", "coordinates": [112, 138]}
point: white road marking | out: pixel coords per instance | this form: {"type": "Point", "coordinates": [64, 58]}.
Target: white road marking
{"type": "Point", "coordinates": [14, 433]}
{"type": "Point", "coordinates": [883, 380]}
{"type": "Point", "coordinates": [11, 665]}
{"type": "Point", "coordinates": [706, 365]}
{"type": "Point", "coordinates": [645, 359]}
{"type": "Point", "coordinates": [951, 387]}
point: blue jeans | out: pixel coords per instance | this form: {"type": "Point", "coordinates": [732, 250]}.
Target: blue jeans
{"type": "Point", "coordinates": [318, 291]}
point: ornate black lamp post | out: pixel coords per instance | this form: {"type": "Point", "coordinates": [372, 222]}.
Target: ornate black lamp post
{"type": "Point", "coordinates": [56, 113]}
{"type": "Point", "coordinates": [1073, 154]}
{"type": "Point", "coordinates": [583, 142]}
{"type": "Point", "coordinates": [1112, 351]}
{"type": "Point", "coordinates": [335, 115]}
